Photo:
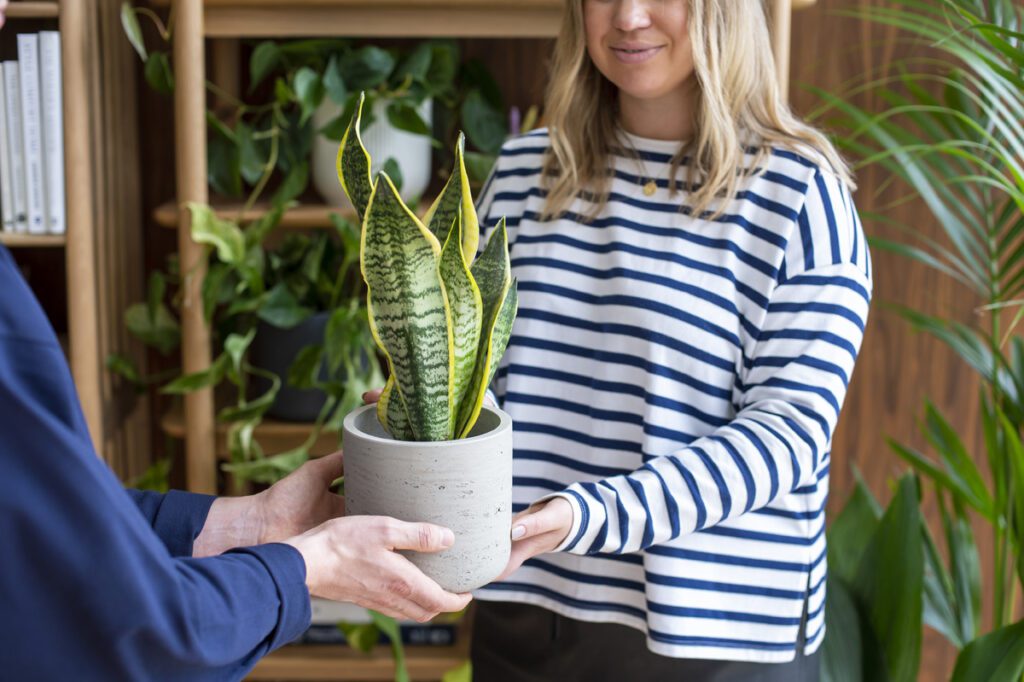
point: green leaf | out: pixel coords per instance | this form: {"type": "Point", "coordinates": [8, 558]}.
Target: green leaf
{"type": "Point", "coordinates": [407, 118]}
{"type": "Point", "coordinates": [456, 198]}
{"type": "Point", "coordinates": [965, 568]}
{"type": "Point", "coordinates": [926, 467]}
{"type": "Point", "coordinates": [995, 657]}
{"type": "Point", "coordinates": [392, 413]}
{"type": "Point", "coordinates": [461, 673]}
{"type": "Point", "coordinates": [130, 24]}
{"type": "Point", "coordinates": [890, 580]}
{"type": "Point", "coordinates": [492, 272]}
{"type": "Point", "coordinates": [416, 64]}
{"type": "Point", "coordinates": [304, 371]}
{"type": "Point", "coordinates": [407, 308]}
{"type": "Point", "coordinates": [955, 456]}
{"type": "Point", "coordinates": [851, 532]}
{"type": "Point", "coordinates": [394, 171]}
{"type": "Point", "coordinates": [293, 185]}
{"type": "Point", "coordinates": [367, 67]}
{"type": "Point", "coordinates": [479, 165]}
{"type": "Point", "coordinates": [269, 469]}
{"type": "Point", "coordinates": [155, 290]}
{"type": "Point", "coordinates": [252, 160]}
{"type": "Point", "coordinates": [362, 637]}
{"type": "Point", "coordinates": [225, 166]}
{"type": "Point", "coordinates": [444, 63]}
{"type": "Point", "coordinates": [466, 307]}
{"type": "Point", "coordinates": [158, 73]}
{"type": "Point", "coordinates": [123, 366]}
{"type": "Point", "coordinates": [310, 90]}
{"type": "Point", "coordinates": [334, 84]}
{"type": "Point", "coordinates": [841, 650]}
{"type": "Point", "coordinates": [484, 125]}
{"type": "Point", "coordinates": [282, 309]}
{"type": "Point", "coordinates": [235, 346]}
{"type": "Point", "coordinates": [342, 337]}
{"type": "Point", "coordinates": [939, 600]}
{"type": "Point", "coordinates": [264, 59]}
{"type": "Point", "coordinates": [250, 410]}
{"type": "Point", "coordinates": [199, 380]}
{"type": "Point", "coordinates": [354, 164]}
{"type": "Point", "coordinates": [225, 235]}
{"type": "Point", "coordinates": [161, 331]}
{"type": "Point", "coordinates": [389, 626]}
{"type": "Point", "coordinates": [155, 477]}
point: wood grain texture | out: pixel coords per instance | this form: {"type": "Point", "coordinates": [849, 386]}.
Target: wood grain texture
{"type": "Point", "coordinates": [897, 368]}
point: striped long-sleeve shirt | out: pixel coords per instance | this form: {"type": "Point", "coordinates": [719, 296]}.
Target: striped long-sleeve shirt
{"type": "Point", "coordinates": [678, 380]}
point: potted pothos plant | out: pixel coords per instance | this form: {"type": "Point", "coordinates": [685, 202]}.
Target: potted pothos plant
{"type": "Point", "coordinates": [430, 449]}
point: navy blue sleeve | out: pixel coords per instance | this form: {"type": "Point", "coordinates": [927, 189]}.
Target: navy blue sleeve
{"type": "Point", "coordinates": [87, 588]}
{"type": "Point", "coordinates": [176, 517]}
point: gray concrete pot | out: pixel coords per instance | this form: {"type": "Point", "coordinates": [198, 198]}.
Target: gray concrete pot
{"type": "Point", "coordinates": [465, 485]}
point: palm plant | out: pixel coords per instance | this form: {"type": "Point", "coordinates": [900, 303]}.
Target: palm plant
{"type": "Point", "coordinates": [953, 132]}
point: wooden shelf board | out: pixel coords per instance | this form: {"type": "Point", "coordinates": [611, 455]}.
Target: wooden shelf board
{"type": "Point", "coordinates": [273, 435]}
{"type": "Point", "coordinates": [33, 10]}
{"type": "Point", "coordinates": [302, 217]}
{"type": "Point", "coordinates": [338, 662]}
{"type": "Point", "coordinates": [803, 4]}
{"type": "Point", "coordinates": [31, 240]}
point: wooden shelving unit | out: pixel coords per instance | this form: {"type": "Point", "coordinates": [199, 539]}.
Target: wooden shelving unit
{"type": "Point", "coordinates": [223, 22]}
{"type": "Point", "coordinates": [100, 250]}
{"type": "Point", "coordinates": [273, 435]}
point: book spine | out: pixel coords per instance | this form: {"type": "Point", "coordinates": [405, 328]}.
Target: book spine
{"type": "Point", "coordinates": [31, 122]}
{"type": "Point", "coordinates": [51, 86]}
{"type": "Point", "coordinates": [15, 143]}
{"type": "Point", "coordinates": [412, 635]}
{"type": "Point", "coordinates": [6, 194]}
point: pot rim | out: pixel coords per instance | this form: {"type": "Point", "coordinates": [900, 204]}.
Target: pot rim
{"type": "Point", "coordinates": [349, 425]}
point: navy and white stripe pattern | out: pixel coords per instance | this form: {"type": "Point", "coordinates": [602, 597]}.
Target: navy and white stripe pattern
{"type": "Point", "coordinates": [678, 380]}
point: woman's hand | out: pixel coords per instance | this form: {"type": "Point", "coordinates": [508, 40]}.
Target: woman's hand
{"type": "Point", "coordinates": [538, 530]}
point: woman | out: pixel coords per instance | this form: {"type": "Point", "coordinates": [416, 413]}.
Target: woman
{"type": "Point", "coordinates": [694, 284]}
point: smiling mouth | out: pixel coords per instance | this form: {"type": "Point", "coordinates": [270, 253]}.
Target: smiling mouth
{"type": "Point", "coordinates": [634, 55]}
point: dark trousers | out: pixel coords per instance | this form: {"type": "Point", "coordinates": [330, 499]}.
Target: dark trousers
{"type": "Point", "coordinates": [524, 643]}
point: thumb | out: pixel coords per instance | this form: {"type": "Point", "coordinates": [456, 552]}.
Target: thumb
{"type": "Point", "coordinates": [422, 537]}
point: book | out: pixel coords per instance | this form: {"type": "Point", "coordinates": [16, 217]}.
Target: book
{"type": "Point", "coordinates": [51, 88]}
{"type": "Point", "coordinates": [6, 195]}
{"type": "Point", "coordinates": [326, 614]}
{"type": "Point", "coordinates": [15, 143]}
{"type": "Point", "coordinates": [32, 131]}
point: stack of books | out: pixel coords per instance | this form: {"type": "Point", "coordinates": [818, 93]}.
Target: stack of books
{"type": "Point", "coordinates": [32, 137]}
{"type": "Point", "coordinates": [327, 614]}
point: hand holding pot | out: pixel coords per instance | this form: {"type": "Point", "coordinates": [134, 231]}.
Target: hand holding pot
{"type": "Point", "coordinates": [355, 559]}
{"type": "Point", "coordinates": [538, 530]}
{"type": "Point", "coordinates": [293, 505]}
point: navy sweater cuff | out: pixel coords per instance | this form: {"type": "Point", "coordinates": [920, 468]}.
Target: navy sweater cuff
{"type": "Point", "coordinates": [287, 568]}
{"type": "Point", "coordinates": [180, 519]}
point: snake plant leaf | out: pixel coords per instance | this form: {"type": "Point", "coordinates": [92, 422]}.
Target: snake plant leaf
{"type": "Point", "coordinates": [467, 314]}
{"type": "Point", "coordinates": [391, 413]}
{"type": "Point", "coordinates": [407, 308]}
{"type": "Point", "coordinates": [456, 196]}
{"type": "Point", "coordinates": [493, 274]}
{"type": "Point", "coordinates": [354, 164]}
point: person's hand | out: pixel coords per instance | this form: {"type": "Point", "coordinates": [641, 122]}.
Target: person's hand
{"type": "Point", "coordinates": [293, 505]}
{"type": "Point", "coordinates": [538, 530]}
{"type": "Point", "coordinates": [354, 559]}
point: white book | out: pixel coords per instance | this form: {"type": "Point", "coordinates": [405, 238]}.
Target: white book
{"type": "Point", "coordinates": [6, 194]}
{"type": "Point", "coordinates": [32, 127]}
{"type": "Point", "coordinates": [51, 84]}
{"type": "Point", "coordinates": [15, 144]}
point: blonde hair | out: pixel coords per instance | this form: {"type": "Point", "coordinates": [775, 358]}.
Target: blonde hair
{"type": "Point", "coordinates": [739, 104]}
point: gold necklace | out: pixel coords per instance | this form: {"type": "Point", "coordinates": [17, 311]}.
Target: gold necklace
{"type": "Point", "coordinates": [648, 182]}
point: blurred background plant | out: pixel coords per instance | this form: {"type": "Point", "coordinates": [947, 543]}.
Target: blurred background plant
{"type": "Point", "coordinates": [953, 135]}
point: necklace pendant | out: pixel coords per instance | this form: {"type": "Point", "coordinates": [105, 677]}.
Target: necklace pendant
{"type": "Point", "coordinates": [650, 187]}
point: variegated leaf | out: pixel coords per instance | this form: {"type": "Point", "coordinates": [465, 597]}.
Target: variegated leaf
{"type": "Point", "coordinates": [456, 195]}
{"type": "Point", "coordinates": [391, 413]}
{"type": "Point", "coordinates": [493, 274]}
{"type": "Point", "coordinates": [408, 311]}
{"type": "Point", "coordinates": [354, 164]}
{"type": "Point", "coordinates": [467, 314]}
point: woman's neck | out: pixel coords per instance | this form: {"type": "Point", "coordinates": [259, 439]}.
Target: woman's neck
{"type": "Point", "coordinates": [666, 118]}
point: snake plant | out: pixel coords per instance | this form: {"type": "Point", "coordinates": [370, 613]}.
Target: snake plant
{"type": "Point", "coordinates": [441, 316]}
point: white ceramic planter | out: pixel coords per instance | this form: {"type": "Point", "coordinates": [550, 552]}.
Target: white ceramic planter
{"type": "Point", "coordinates": [383, 141]}
{"type": "Point", "coordinates": [465, 485]}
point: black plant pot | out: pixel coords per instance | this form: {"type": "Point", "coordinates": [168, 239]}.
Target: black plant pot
{"type": "Point", "coordinates": [275, 349]}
